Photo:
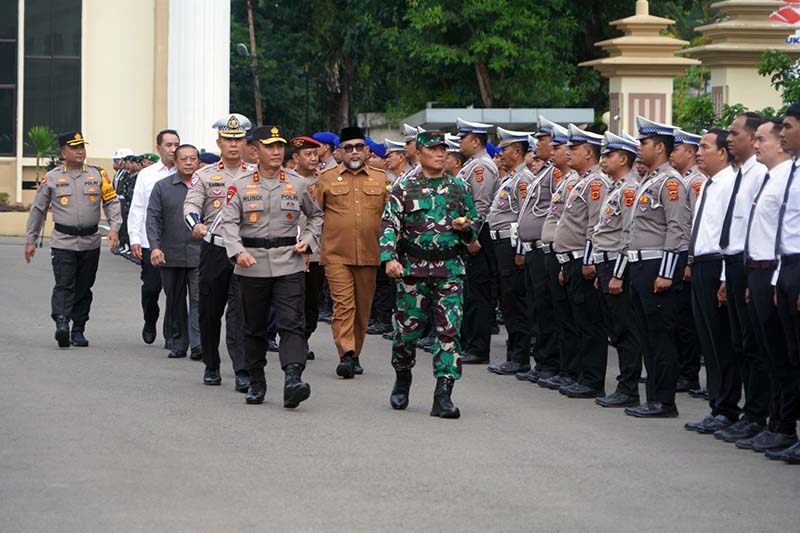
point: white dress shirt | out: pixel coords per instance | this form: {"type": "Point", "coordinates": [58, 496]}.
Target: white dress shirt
{"type": "Point", "coordinates": [718, 189]}
{"type": "Point", "coordinates": [790, 234]}
{"type": "Point", "coordinates": [753, 174]}
{"type": "Point", "coordinates": [137, 216]}
{"type": "Point", "coordinates": [764, 222]}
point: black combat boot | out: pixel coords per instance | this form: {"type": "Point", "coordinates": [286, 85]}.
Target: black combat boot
{"type": "Point", "coordinates": [442, 404]}
{"type": "Point", "coordinates": [62, 331]}
{"type": "Point", "coordinates": [256, 393]}
{"type": "Point", "coordinates": [295, 390]}
{"type": "Point", "coordinates": [402, 386]}
{"type": "Point", "coordinates": [77, 337]}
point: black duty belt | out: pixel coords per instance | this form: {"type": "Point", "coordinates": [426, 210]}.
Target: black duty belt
{"type": "Point", "coordinates": [76, 231]}
{"type": "Point", "coordinates": [755, 264]}
{"type": "Point", "coordinates": [269, 242]}
{"type": "Point", "coordinates": [705, 258]}
{"type": "Point", "coordinates": [405, 247]}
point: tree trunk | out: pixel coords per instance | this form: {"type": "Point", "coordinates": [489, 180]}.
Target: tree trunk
{"type": "Point", "coordinates": [343, 109]}
{"type": "Point", "coordinates": [484, 83]}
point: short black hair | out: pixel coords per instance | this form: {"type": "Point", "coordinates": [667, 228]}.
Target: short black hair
{"type": "Point", "coordinates": [596, 150]}
{"type": "Point", "coordinates": [629, 157]}
{"type": "Point", "coordinates": [667, 140]}
{"type": "Point", "coordinates": [193, 147]}
{"type": "Point", "coordinates": [523, 146]}
{"type": "Point", "coordinates": [721, 140]}
{"type": "Point", "coordinates": [160, 136]}
{"type": "Point", "coordinates": [752, 121]}
{"type": "Point", "coordinates": [482, 137]}
{"type": "Point", "coordinates": [459, 156]}
{"type": "Point", "coordinates": [793, 111]}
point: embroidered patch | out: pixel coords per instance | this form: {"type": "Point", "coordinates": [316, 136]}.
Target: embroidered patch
{"type": "Point", "coordinates": [194, 181]}
{"type": "Point", "coordinates": [107, 191]}
{"type": "Point", "coordinates": [216, 178]}
{"type": "Point", "coordinates": [251, 186]}
{"type": "Point", "coordinates": [253, 217]}
{"type": "Point", "coordinates": [555, 198]}
{"type": "Point", "coordinates": [62, 180]}
{"type": "Point", "coordinates": [595, 190]}
{"type": "Point", "coordinates": [479, 174]}
{"type": "Point", "coordinates": [673, 190]}
{"type": "Point", "coordinates": [64, 200]}
{"type": "Point", "coordinates": [216, 192]}
{"type": "Point", "coordinates": [92, 198]}
{"type": "Point", "coordinates": [628, 197]}
{"type": "Point", "coordinates": [216, 204]}
{"type": "Point", "coordinates": [289, 216]}
{"type": "Point", "coordinates": [697, 186]}
{"type": "Point", "coordinates": [557, 174]}
{"type": "Point", "coordinates": [104, 174]}
{"type": "Point", "coordinates": [523, 189]}
{"type": "Point", "coordinates": [231, 193]}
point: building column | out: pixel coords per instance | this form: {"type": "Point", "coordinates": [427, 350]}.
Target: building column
{"type": "Point", "coordinates": [198, 68]}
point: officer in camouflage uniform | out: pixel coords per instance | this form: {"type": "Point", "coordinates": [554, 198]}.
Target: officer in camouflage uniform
{"type": "Point", "coordinates": [657, 234]}
{"type": "Point", "coordinates": [425, 228]}
{"type": "Point", "coordinates": [75, 191]}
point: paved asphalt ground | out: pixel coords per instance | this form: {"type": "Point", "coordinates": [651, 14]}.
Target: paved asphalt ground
{"type": "Point", "coordinates": [116, 438]}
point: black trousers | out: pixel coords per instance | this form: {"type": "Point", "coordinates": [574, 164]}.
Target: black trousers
{"type": "Point", "coordinates": [540, 312]}
{"type": "Point", "coordinates": [74, 273]}
{"type": "Point", "coordinates": [586, 307]}
{"type": "Point", "coordinates": [286, 295]}
{"type": "Point", "coordinates": [566, 330]}
{"type": "Point", "coordinates": [313, 298]}
{"type": "Point", "coordinates": [479, 300]}
{"type": "Point", "coordinates": [688, 341]}
{"type": "Point", "coordinates": [771, 341]}
{"type": "Point", "coordinates": [752, 363]}
{"type": "Point", "coordinates": [513, 303]}
{"type": "Point", "coordinates": [657, 312]}
{"type": "Point", "coordinates": [178, 284]}
{"type": "Point", "coordinates": [788, 291]}
{"type": "Point", "coordinates": [219, 288]}
{"type": "Point", "coordinates": [151, 291]}
{"type": "Point", "coordinates": [713, 329]}
{"type": "Point", "coordinates": [383, 299]}
{"type": "Point", "coordinates": [624, 327]}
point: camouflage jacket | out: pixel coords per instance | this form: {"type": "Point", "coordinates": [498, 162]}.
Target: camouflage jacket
{"type": "Point", "coordinates": [416, 228]}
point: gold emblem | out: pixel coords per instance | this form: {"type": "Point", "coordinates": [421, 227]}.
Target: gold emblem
{"type": "Point", "coordinates": [233, 122]}
{"type": "Point", "coordinates": [64, 200]}
{"type": "Point", "coordinates": [78, 137]}
{"type": "Point", "coordinates": [274, 131]}
{"type": "Point", "coordinates": [92, 198]}
{"type": "Point", "coordinates": [217, 203]}
{"type": "Point", "coordinates": [252, 218]}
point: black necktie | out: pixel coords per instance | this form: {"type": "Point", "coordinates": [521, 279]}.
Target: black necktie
{"type": "Point", "coordinates": [725, 236]}
{"type": "Point", "coordinates": [783, 211]}
{"type": "Point", "coordinates": [696, 228]}
{"type": "Point", "coordinates": [752, 212]}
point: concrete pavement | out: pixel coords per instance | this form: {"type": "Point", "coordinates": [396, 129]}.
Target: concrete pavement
{"type": "Point", "coordinates": [116, 437]}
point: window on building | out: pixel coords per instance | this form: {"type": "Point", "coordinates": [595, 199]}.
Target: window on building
{"type": "Point", "coordinates": [52, 65]}
{"type": "Point", "coordinates": [8, 77]}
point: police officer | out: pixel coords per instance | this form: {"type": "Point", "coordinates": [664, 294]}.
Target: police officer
{"type": "Point", "coordinates": [482, 176]}
{"type": "Point", "coordinates": [609, 248]}
{"type": "Point", "coordinates": [202, 211]}
{"type": "Point", "coordinates": [396, 160]}
{"type": "Point", "coordinates": [75, 191]}
{"type": "Point", "coordinates": [260, 229]}
{"type": "Point", "coordinates": [425, 226]}
{"type": "Point", "coordinates": [531, 255]}
{"type": "Point", "coordinates": [565, 329]}
{"type": "Point", "coordinates": [684, 160]}
{"type": "Point", "coordinates": [656, 238]}
{"type": "Point", "coordinates": [573, 247]}
{"type": "Point", "coordinates": [455, 159]}
{"type": "Point", "coordinates": [329, 142]}
{"type": "Point", "coordinates": [410, 143]}
{"type": "Point", "coordinates": [502, 222]}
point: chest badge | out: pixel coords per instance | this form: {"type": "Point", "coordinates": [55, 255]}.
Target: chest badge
{"type": "Point", "coordinates": [217, 203]}
{"type": "Point", "coordinates": [252, 218]}
{"type": "Point", "coordinates": [64, 200]}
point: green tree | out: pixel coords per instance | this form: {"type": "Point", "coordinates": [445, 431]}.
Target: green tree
{"type": "Point", "coordinates": [784, 73]}
{"type": "Point", "coordinates": [41, 140]}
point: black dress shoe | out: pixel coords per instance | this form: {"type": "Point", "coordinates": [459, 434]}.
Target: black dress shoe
{"type": "Point", "coordinates": [743, 429]}
{"type": "Point", "coordinates": [295, 391]}
{"type": "Point", "coordinates": [775, 441]}
{"type": "Point", "coordinates": [699, 393]}
{"type": "Point", "coordinates": [618, 399]}
{"type": "Point", "coordinates": [472, 359]}
{"type": "Point", "coordinates": [556, 382]}
{"type": "Point", "coordinates": [715, 424]}
{"type": "Point", "coordinates": [747, 444]}
{"type": "Point", "coordinates": [442, 403]}
{"type": "Point", "coordinates": [791, 455]}
{"type": "Point", "coordinates": [310, 356]}
{"type": "Point", "coordinates": [579, 390]}
{"type": "Point", "coordinates": [653, 410]}
{"type": "Point", "coordinates": [211, 377]}
{"type": "Point", "coordinates": [685, 385]}
{"type": "Point", "coordinates": [357, 370]}
{"type": "Point", "coordinates": [401, 390]}
{"type": "Point", "coordinates": [509, 368]}
{"type": "Point", "coordinates": [256, 392]}
{"type": "Point", "coordinates": [693, 426]}
{"type": "Point", "coordinates": [272, 345]}
{"type": "Point", "coordinates": [62, 331]}
{"type": "Point", "coordinates": [196, 354]}
{"type": "Point", "coordinates": [149, 333]}
{"type": "Point", "coordinates": [242, 381]}
{"type": "Point", "coordinates": [531, 375]}
{"type": "Point", "coordinates": [177, 354]}
{"type": "Point", "coordinates": [77, 339]}
{"type": "Point", "coordinates": [346, 368]}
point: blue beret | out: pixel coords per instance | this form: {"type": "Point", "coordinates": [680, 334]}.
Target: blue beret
{"type": "Point", "coordinates": [208, 158]}
{"type": "Point", "coordinates": [378, 149]}
{"type": "Point", "coordinates": [491, 149]}
{"type": "Point", "coordinates": [326, 137]}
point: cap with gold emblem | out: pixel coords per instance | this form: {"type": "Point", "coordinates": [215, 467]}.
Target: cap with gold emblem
{"type": "Point", "coordinates": [429, 139]}
{"type": "Point", "coordinates": [233, 126]}
{"type": "Point", "coordinates": [301, 143]}
{"type": "Point", "coordinates": [71, 138]}
{"type": "Point", "coordinates": [267, 135]}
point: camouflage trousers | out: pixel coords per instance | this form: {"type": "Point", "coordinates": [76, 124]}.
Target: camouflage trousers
{"type": "Point", "coordinates": [418, 300]}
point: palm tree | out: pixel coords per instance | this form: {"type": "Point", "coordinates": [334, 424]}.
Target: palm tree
{"type": "Point", "coordinates": [43, 141]}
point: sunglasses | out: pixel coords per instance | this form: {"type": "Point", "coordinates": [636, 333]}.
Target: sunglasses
{"type": "Point", "coordinates": [348, 148]}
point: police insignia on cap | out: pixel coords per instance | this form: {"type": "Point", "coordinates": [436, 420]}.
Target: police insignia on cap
{"type": "Point", "coordinates": [274, 131]}
{"type": "Point", "coordinates": [233, 122]}
{"type": "Point", "coordinates": [78, 136]}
